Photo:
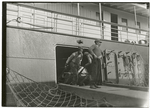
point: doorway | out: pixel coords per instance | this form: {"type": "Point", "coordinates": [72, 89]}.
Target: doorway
{"type": "Point", "coordinates": [62, 53]}
{"type": "Point", "coordinates": [114, 28]}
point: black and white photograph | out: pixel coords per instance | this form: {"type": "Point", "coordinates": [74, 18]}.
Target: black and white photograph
{"type": "Point", "coordinates": [75, 54]}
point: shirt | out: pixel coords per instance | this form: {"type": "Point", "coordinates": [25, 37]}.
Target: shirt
{"type": "Point", "coordinates": [96, 50]}
{"type": "Point", "coordinates": [76, 58]}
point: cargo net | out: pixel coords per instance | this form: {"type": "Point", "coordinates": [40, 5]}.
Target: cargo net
{"type": "Point", "coordinates": [28, 93]}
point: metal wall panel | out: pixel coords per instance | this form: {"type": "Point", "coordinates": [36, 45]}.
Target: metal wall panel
{"type": "Point", "coordinates": [33, 53]}
{"type": "Point", "coordinates": [39, 70]}
{"type": "Point", "coordinates": [29, 44]}
{"type": "Point", "coordinates": [59, 39]}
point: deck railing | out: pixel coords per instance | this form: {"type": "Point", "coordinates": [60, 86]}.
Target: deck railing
{"type": "Point", "coordinates": [47, 20]}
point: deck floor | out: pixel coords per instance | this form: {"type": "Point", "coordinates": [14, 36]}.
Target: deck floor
{"type": "Point", "coordinates": [116, 95]}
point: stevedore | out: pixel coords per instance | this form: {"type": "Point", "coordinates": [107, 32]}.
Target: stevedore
{"type": "Point", "coordinates": [74, 61]}
{"type": "Point", "coordinates": [90, 66]}
{"type": "Point", "coordinates": [97, 54]}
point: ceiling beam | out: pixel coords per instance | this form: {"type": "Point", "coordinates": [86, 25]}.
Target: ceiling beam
{"type": "Point", "coordinates": [115, 4]}
{"type": "Point", "coordinates": [143, 12]}
{"type": "Point", "coordinates": [123, 5]}
{"type": "Point", "coordinates": [121, 9]}
{"type": "Point", "coordinates": [138, 8]}
{"type": "Point", "coordinates": [129, 8]}
{"type": "Point", "coordinates": [144, 6]}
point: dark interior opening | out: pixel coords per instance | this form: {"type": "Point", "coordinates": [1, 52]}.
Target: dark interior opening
{"type": "Point", "coordinates": [62, 53]}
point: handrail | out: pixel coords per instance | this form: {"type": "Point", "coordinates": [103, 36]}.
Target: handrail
{"type": "Point", "coordinates": [91, 25]}
{"type": "Point", "coordinates": [33, 7]}
{"type": "Point", "coordinates": [65, 34]}
{"type": "Point", "coordinates": [81, 26]}
{"type": "Point", "coordinates": [91, 29]}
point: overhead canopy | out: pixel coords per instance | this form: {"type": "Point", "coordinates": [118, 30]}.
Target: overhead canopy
{"type": "Point", "coordinates": [141, 8]}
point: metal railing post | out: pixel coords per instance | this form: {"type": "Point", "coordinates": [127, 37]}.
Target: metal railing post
{"type": "Point", "coordinates": [78, 29]}
{"type": "Point", "coordinates": [88, 28]}
{"type": "Point", "coordinates": [135, 21]}
{"type": "Point", "coordinates": [100, 17]}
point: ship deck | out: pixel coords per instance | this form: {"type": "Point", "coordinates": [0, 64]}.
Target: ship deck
{"type": "Point", "coordinates": [118, 96]}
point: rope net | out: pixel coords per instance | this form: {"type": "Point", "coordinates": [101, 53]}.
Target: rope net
{"type": "Point", "coordinates": [29, 93]}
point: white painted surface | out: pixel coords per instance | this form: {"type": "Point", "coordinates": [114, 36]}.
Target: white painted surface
{"type": "Point", "coordinates": [32, 53]}
{"type": "Point", "coordinates": [35, 69]}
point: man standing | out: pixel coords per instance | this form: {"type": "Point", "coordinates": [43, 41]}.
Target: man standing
{"type": "Point", "coordinates": [90, 66]}
{"type": "Point", "coordinates": [74, 61]}
{"type": "Point", "coordinates": [97, 54]}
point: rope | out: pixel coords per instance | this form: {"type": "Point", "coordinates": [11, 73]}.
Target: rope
{"type": "Point", "coordinates": [29, 93]}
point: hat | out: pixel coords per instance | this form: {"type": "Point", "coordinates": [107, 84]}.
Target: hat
{"type": "Point", "coordinates": [80, 48]}
{"type": "Point", "coordinates": [98, 40]}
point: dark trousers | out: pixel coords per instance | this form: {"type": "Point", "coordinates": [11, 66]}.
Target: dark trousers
{"type": "Point", "coordinates": [98, 77]}
{"type": "Point", "coordinates": [92, 73]}
{"type": "Point", "coordinates": [92, 70]}
{"type": "Point", "coordinates": [96, 71]}
{"type": "Point", "coordinates": [74, 69]}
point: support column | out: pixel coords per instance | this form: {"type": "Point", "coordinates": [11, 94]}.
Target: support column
{"type": "Point", "coordinates": [78, 6]}
{"type": "Point", "coordinates": [77, 20]}
{"type": "Point", "coordinates": [135, 22]}
{"type": "Point", "coordinates": [100, 18]}
{"type": "Point", "coordinates": [102, 37]}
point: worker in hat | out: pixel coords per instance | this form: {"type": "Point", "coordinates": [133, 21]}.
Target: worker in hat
{"type": "Point", "coordinates": [97, 54]}
{"type": "Point", "coordinates": [74, 61]}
